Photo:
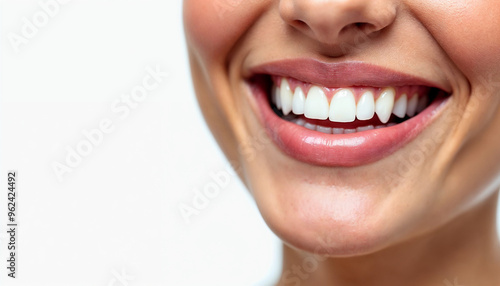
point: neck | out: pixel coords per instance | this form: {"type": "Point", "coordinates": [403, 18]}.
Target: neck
{"type": "Point", "coordinates": [464, 252]}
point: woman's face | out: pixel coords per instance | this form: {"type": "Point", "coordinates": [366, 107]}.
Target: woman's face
{"type": "Point", "coordinates": [339, 170]}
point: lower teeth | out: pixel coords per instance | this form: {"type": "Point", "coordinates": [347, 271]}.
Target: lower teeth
{"type": "Point", "coordinates": [330, 130]}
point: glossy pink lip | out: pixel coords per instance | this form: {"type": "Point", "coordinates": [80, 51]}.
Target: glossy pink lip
{"type": "Point", "coordinates": [341, 74]}
{"type": "Point", "coordinates": [345, 150]}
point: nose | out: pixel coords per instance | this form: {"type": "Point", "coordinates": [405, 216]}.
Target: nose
{"type": "Point", "coordinates": [334, 21]}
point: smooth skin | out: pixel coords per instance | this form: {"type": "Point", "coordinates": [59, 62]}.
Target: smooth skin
{"type": "Point", "coordinates": [433, 222]}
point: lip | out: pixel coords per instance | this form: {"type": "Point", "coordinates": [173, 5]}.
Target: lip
{"type": "Point", "coordinates": [340, 150]}
{"type": "Point", "coordinates": [344, 74]}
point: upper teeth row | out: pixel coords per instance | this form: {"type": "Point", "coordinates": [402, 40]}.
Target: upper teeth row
{"type": "Point", "coordinates": [343, 107]}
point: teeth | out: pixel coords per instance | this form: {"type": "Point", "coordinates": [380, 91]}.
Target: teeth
{"type": "Point", "coordinates": [299, 99]}
{"type": "Point", "coordinates": [300, 122]}
{"type": "Point", "coordinates": [366, 106]}
{"type": "Point", "coordinates": [310, 126]}
{"type": "Point", "coordinates": [422, 104]}
{"type": "Point", "coordinates": [343, 106]}
{"type": "Point", "coordinates": [400, 106]}
{"type": "Point", "coordinates": [273, 95]}
{"type": "Point", "coordinates": [349, 131]}
{"type": "Point", "coordinates": [277, 97]}
{"type": "Point", "coordinates": [286, 97]}
{"type": "Point", "coordinates": [338, 130]}
{"type": "Point", "coordinates": [365, 128]}
{"type": "Point", "coordinates": [327, 130]}
{"type": "Point", "coordinates": [384, 104]}
{"type": "Point", "coordinates": [316, 105]}
{"type": "Point", "coordinates": [412, 106]}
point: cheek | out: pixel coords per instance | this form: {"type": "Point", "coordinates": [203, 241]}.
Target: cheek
{"type": "Point", "coordinates": [478, 36]}
{"type": "Point", "coordinates": [468, 31]}
{"type": "Point", "coordinates": [214, 26]}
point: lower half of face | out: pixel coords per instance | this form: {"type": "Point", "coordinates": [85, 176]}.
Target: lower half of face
{"type": "Point", "coordinates": [355, 127]}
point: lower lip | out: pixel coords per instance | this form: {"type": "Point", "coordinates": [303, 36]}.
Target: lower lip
{"type": "Point", "coordinates": [341, 150]}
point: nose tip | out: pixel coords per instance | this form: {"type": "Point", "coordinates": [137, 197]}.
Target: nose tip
{"type": "Point", "coordinates": [333, 21]}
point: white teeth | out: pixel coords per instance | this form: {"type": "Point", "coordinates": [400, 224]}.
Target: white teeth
{"type": "Point", "coordinates": [300, 122]}
{"type": "Point", "coordinates": [365, 128]}
{"type": "Point", "coordinates": [316, 105]}
{"type": "Point", "coordinates": [338, 130]}
{"type": "Point", "coordinates": [286, 97]}
{"type": "Point", "coordinates": [343, 106]}
{"type": "Point", "coordinates": [349, 131]}
{"type": "Point", "coordinates": [327, 130]}
{"type": "Point", "coordinates": [277, 97]}
{"type": "Point", "coordinates": [422, 104]}
{"type": "Point", "coordinates": [299, 100]}
{"type": "Point", "coordinates": [366, 106]}
{"type": "Point", "coordinates": [412, 105]}
{"type": "Point", "coordinates": [384, 104]}
{"type": "Point", "coordinates": [273, 95]}
{"type": "Point", "coordinates": [310, 126]}
{"type": "Point", "coordinates": [400, 106]}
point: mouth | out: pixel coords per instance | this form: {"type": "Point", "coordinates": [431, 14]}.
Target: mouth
{"type": "Point", "coordinates": [342, 115]}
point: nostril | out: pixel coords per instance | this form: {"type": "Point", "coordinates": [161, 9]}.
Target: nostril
{"type": "Point", "coordinates": [300, 24]}
{"type": "Point", "coordinates": [353, 26]}
{"type": "Point", "coordinates": [359, 26]}
{"type": "Point", "coordinates": [363, 26]}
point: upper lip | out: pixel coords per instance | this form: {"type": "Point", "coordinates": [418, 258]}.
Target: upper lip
{"type": "Point", "coordinates": [341, 74]}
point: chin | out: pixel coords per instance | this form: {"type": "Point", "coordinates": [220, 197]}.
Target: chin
{"type": "Point", "coordinates": [338, 220]}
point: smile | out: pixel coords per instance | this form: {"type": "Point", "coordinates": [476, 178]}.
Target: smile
{"type": "Point", "coordinates": [359, 115]}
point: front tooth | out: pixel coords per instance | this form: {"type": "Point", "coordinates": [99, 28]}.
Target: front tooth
{"type": "Point", "coordinates": [422, 103]}
{"type": "Point", "coordinates": [316, 105]}
{"type": "Point", "coordinates": [412, 106]}
{"type": "Point", "coordinates": [298, 102]}
{"type": "Point", "coordinates": [366, 106]}
{"type": "Point", "coordinates": [400, 106]}
{"type": "Point", "coordinates": [384, 104]}
{"type": "Point", "coordinates": [286, 97]}
{"type": "Point", "coordinates": [343, 106]}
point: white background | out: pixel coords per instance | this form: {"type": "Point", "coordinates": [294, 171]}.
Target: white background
{"type": "Point", "coordinates": [117, 212]}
